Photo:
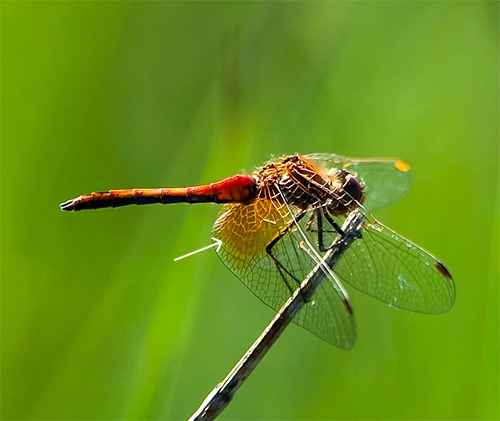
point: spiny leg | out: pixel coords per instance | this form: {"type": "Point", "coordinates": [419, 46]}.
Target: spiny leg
{"type": "Point", "coordinates": [269, 250]}
{"type": "Point", "coordinates": [309, 223]}
{"type": "Point", "coordinates": [335, 226]}
{"type": "Point", "coordinates": [320, 212]}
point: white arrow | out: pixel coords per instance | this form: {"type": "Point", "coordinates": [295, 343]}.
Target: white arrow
{"type": "Point", "coordinates": [217, 243]}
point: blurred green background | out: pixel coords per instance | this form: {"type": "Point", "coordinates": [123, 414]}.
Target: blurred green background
{"type": "Point", "coordinates": [98, 322]}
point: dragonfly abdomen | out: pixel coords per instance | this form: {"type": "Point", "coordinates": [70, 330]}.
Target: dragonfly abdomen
{"type": "Point", "coordinates": [240, 189]}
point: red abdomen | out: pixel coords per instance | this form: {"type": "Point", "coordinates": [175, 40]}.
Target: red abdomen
{"type": "Point", "coordinates": [238, 189]}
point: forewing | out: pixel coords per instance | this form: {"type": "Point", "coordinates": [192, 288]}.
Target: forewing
{"type": "Point", "coordinates": [391, 268]}
{"type": "Point", "coordinates": [386, 181]}
{"type": "Point", "coordinates": [246, 231]}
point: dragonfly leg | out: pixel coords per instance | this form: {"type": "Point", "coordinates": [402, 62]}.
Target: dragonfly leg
{"type": "Point", "coordinates": [333, 224]}
{"type": "Point", "coordinates": [282, 269]}
{"type": "Point", "coordinates": [309, 223]}
{"type": "Point", "coordinates": [320, 213]}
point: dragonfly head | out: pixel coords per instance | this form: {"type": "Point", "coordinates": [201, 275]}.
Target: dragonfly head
{"type": "Point", "coordinates": [347, 193]}
{"type": "Point", "coordinates": [353, 187]}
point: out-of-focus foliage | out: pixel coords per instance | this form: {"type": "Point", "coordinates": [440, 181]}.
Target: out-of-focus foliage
{"type": "Point", "coordinates": [98, 322]}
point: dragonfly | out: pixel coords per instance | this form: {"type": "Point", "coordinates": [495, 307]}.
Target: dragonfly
{"type": "Point", "coordinates": [277, 223]}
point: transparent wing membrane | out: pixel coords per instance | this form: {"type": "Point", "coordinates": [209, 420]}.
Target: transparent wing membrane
{"type": "Point", "coordinates": [396, 271]}
{"type": "Point", "coordinates": [386, 181]}
{"type": "Point", "coordinates": [273, 279]}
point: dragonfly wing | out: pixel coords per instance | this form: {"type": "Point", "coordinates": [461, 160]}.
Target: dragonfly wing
{"type": "Point", "coordinates": [386, 181]}
{"type": "Point", "coordinates": [326, 317]}
{"type": "Point", "coordinates": [391, 268]}
{"type": "Point", "coordinates": [245, 232]}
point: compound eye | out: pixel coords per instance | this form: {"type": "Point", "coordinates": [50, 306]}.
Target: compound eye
{"type": "Point", "coordinates": [353, 188]}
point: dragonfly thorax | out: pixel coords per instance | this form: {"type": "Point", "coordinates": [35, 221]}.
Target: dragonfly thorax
{"type": "Point", "coordinates": [296, 181]}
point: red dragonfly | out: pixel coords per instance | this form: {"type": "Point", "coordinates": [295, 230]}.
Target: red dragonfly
{"type": "Point", "coordinates": [277, 224]}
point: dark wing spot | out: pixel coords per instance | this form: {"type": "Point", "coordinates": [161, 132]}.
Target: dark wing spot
{"type": "Point", "coordinates": [348, 307]}
{"type": "Point", "coordinates": [442, 269]}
